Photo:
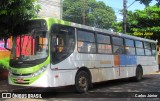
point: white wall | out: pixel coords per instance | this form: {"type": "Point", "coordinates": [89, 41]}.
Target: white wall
{"type": "Point", "coordinates": [50, 8]}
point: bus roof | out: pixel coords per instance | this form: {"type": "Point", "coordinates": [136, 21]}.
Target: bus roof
{"type": "Point", "coordinates": [98, 30]}
{"type": "Point", "coordinates": [111, 33]}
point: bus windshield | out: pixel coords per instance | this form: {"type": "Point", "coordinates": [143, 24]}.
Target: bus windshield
{"type": "Point", "coordinates": [31, 47]}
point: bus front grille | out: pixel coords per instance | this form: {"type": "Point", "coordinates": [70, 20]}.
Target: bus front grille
{"type": "Point", "coordinates": [21, 81]}
{"type": "Point", "coordinates": [21, 74]}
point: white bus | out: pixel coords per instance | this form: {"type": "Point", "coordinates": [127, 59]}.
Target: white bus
{"type": "Point", "coordinates": [53, 53]}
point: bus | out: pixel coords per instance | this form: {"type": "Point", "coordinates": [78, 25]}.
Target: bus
{"type": "Point", "coordinates": [48, 52]}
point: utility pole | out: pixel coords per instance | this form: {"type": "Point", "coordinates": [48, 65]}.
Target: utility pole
{"type": "Point", "coordinates": [61, 9]}
{"type": "Point", "coordinates": [84, 12]}
{"type": "Point", "coordinates": [124, 16]}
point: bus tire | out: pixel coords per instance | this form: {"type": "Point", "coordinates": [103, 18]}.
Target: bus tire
{"type": "Point", "coordinates": [139, 74]}
{"type": "Point", "coordinates": [82, 82]}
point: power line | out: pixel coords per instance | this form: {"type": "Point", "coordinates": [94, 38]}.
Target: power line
{"type": "Point", "coordinates": [116, 8]}
{"type": "Point", "coordinates": [131, 4]}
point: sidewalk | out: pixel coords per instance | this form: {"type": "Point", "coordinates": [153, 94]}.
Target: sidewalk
{"type": "Point", "coordinates": [157, 72]}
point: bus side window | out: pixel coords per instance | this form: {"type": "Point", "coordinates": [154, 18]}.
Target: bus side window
{"type": "Point", "coordinates": [153, 47]}
{"type": "Point", "coordinates": [104, 43]}
{"type": "Point", "coordinates": [86, 42]}
{"type": "Point", "coordinates": [139, 48]}
{"type": "Point", "coordinates": [129, 47]}
{"type": "Point", "coordinates": [147, 48]}
{"type": "Point", "coordinates": [118, 46]}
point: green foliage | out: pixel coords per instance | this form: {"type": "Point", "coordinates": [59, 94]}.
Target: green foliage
{"type": "Point", "coordinates": [97, 13]}
{"type": "Point", "coordinates": [147, 2]}
{"type": "Point", "coordinates": [145, 21]}
{"type": "Point", "coordinates": [117, 26]}
{"type": "Point", "coordinates": [13, 12]}
{"type": "Point", "coordinates": [4, 63]}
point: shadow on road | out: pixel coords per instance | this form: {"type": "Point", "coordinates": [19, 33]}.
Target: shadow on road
{"type": "Point", "coordinates": [119, 83]}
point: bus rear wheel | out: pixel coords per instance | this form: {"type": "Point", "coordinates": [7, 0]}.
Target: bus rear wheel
{"type": "Point", "coordinates": [139, 74]}
{"type": "Point", "coordinates": [82, 82]}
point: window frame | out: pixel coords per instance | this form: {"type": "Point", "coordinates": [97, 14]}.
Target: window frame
{"type": "Point", "coordinates": [97, 43]}
{"type": "Point", "coordinates": [51, 45]}
{"type": "Point", "coordinates": [155, 48]}
{"type": "Point", "coordinates": [139, 48]}
{"type": "Point", "coordinates": [147, 48]}
{"type": "Point", "coordinates": [112, 42]}
{"type": "Point", "coordinates": [78, 29]}
{"type": "Point", "coordinates": [130, 46]}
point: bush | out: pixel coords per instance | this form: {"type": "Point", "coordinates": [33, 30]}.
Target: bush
{"type": "Point", "coordinates": [4, 63]}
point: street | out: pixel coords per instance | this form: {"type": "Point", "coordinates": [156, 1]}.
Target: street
{"type": "Point", "coordinates": [122, 88]}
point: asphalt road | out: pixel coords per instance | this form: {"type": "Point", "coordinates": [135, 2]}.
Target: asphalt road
{"type": "Point", "coordinates": [115, 90]}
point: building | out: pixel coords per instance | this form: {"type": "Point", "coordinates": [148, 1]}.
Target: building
{"type": "Point", "coordinates": [50, 8]}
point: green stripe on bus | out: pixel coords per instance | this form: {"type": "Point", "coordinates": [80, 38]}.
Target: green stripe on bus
{"type": "Point", "coordinates": [51, 21]}
{"type": "Point", "coordinates": [33, 69]}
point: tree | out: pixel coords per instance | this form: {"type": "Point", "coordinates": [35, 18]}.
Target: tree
{"type": "Point", "coordinates": [97, 14]}
{"type": "Point", "coordinates": [13, 12]}
{"type": "Point", "coordinates": [142, 23]}
{"type": "Point", "coordinates": [145, 21]}
{"type": "Point", "coordinates": [147, 2]}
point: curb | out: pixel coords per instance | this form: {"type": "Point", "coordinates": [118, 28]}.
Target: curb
{"type": "Point", "coordinates": [157, 72]}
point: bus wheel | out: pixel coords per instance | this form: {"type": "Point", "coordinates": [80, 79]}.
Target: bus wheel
{"type": "Point", "coordinates": [139, 74]}
{"type": "Point", "coordinates": [82, 82]}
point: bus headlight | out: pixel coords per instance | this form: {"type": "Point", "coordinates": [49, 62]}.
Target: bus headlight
{"type": "Point", "coordinates": [39, 71]}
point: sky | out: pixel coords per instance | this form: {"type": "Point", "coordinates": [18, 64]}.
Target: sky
{"type": "Point", "coordinates": [118, 5]}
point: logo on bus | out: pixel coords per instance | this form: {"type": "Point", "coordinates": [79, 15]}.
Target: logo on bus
{"type": "Point", "coordinates": [20, 80]}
